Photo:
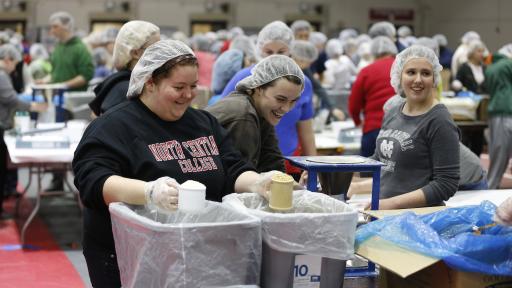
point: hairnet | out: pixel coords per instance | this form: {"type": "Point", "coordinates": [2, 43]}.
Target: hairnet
{"type": "Point", "coordinates": [109, 35]}
{"type": "Point", "coordinates": [364, 49]}
{"type": "Point", "coordinates": [225, 67]}
{"type": "Point", "coordinates": [362, 38]}
{"type": "Point", "coordinates": [506, 50]}
{"type": "Point", "coordinates": [382, 45]}
{"type": "Point", "coordinates": [38, 51]}
{"type": "Point", "coordinates": [428, 42]}
{"type": "Point", "coordinates": [304, 50]}
{"type": "Point", "coordinates": [441, 40]}
{"type": "Point", "coordinates": [222, 35]}
{"type": "Point", "coordinates": [475, 45]}
{"type": "Point", "coordinates": [236, 31]}
{"type": "Point", "coordinates": [100, 56]}
{"type": "Point", "coordinates": [153, 58]}
{"type": "Point", "coordinates": [181, 36]}
{"type": "Point", "coordinates": [132, 35]}
{"type": "Point", "coordinates": [200, 42]}
{"type": "Point", "coordinates": [299, 25]}
{"type": "Point", "coordinates": [333, 48]}
{"type": "Point", "coordinates": [64, 18]}
{"type": "Point", "coordinates": [347, 33]}
{"type": "Point", "coordinates": [413, 52]}
{"type": "Point", "coordinates": [269, 69]}
{"type": "Point", "coordinates": [9, 51]}
{"type": "Point", "coordinates": [404, 31]}
{"type": "Point", "coordinates": [244, 44]}
{"type": "Point", "coordinates": [317, 38]}
{"type": "Point", "coordinates": [469, 36]}
{"type": "Point", "coordinates": [383, 28]}
{"type": "Point", "coordinates": [274, 31]}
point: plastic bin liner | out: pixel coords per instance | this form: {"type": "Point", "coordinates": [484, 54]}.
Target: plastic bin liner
{"type": "Point", "coordinates": [317, 224]}
{"type": "Point", "coordinates": [448, 235]}
{"type": "Point", "coordinates": [216, 248]}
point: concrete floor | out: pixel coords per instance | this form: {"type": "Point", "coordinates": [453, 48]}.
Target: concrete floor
{"type": "Point", "coordinates": [63, 217]}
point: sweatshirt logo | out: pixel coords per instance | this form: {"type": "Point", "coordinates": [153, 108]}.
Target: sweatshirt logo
{"type": "Point", "coordinates": [192, 155]}
{"type": "Point", "coordinates": [386, 148]}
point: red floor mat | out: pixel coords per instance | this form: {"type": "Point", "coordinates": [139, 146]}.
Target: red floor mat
{"type": "Point", "coordinates": [41, 263]}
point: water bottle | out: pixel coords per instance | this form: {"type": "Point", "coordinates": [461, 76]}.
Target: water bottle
{"type": "Point", "coordinates": [21, 122]}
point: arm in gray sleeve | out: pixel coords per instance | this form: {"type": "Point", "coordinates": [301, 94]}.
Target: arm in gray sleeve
{"type": "Point", "coordinates": [444, 151]}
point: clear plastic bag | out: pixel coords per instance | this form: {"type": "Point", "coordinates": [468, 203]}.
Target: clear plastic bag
{"type": "Point", "coordinates": [216, 248]}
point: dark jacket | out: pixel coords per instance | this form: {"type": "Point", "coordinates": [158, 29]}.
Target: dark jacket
{"type": "Point", "coordinates": [110, 92]}
{"type": "Point", "coordinates": [465, 76]}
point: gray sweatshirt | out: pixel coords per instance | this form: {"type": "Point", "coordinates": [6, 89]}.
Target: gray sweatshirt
{"type": "Point", "coordinates": [9, 102]}
{"type": "Point", "coordinates": [420, 152]}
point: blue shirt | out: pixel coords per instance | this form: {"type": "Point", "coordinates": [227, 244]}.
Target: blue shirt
{"type": "Point", "coordinates": [286, 130]}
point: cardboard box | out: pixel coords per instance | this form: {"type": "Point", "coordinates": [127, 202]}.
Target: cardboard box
{"type": "Point", "coordinates": [403, 268]}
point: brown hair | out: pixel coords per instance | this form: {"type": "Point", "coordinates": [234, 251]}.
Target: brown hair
{"type": "Point", "coordinates": [169, 66]}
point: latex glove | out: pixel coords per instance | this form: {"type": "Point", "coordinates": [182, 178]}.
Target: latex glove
{"type": "Point", "coordinates": [503, 214]}
{"type": "Point", "coordinates": [262, 185]}
{"type": "Point", "coordinates": [163, 193]}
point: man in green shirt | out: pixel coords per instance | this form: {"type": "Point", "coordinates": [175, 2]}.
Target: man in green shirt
{"type": "Point", "coordinates": [71, 61]}
{"type": "Point", "coordinates": [72, 65]}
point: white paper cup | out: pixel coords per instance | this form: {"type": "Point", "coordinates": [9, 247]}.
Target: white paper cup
{"type": "Point", "coordinates": [191, 200]}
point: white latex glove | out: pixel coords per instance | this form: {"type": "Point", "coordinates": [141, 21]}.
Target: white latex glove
{"type": "Point", "coordinates": [503, 214]}
{"type": "Point", "coordinates": [163, 192]}
{"type": "Point", "coordinates": [262, 185]}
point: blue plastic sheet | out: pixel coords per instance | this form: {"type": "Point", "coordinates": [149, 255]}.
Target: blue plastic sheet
{"type": "Point", "coordinates": [448, 235]}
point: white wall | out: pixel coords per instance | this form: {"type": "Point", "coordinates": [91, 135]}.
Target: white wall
{"type": "Point", "coordinates": [491, 18]}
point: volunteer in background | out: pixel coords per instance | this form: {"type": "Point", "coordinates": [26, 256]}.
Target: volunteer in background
{"type": "Point", "coordinates": [133, 38]}
{"type": "Point", "coordinates": [138, 152]}
{"type": "Point", "coordinates": [418, 141]}
{"type": "Point", "coordinates": [258, 104]}
{"type": "Point", "coordinates": [9, 104]}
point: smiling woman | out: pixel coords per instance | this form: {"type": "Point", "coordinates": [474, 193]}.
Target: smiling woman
{"type": "Point", "coordinates": [258, 104]}
{"type": "Point", "coordinates": [418, 141]}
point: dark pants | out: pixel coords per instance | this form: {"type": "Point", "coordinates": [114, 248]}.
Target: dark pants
{"type": "Point", "coordinates": [368, 143]}
{"type": "Point", "coordinates": [3, 168]}
{"type": "Point", "coordinates": [103, 269]}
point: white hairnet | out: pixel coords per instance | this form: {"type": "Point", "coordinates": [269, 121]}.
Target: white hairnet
{"type": "Point", "coordinates": [506, 50]}
{"type": "Point", "coordinates": [382, 45]}
{"type": "Point", "coordinates": [317, 38]}
{"type": "Point", "coordinates": [469, 36]}
{"type": "Point", "coordinates": [222, 35]}
{"type": "Point", "coordinates": [109, 35]}
{"type": "Point", "coordinates": [347, 33]}
{"type": "Point", "coordinates": [362, 39]}
{"type": "Point", "coordinates": [8, 51]}
{"type": "Point", "coordinates": [333, 48]}
{"type": "Point", "coordinates": [383, 28]}
{"type": "Point", "coordinates": [364, 49]}
{"type": "Point", "coordinates": [299, 25]}
{"type": "Point", "coordinates": [132, 35]}
{"type": "Point", "coordinates": [38, 51]}
{"type": "Point", "coordinates": [181, 36]}
{"type": "Point", "coordinates": [64, 18]}
{"type": "Point", "coordinates": [274, 31]}
{"type": "Point", "coordinates": [413, 52]}
{"type": "Point", "coordinates": [475, 45]}
{"type": "Point", "coordinates": [441, 40]}
{"type": "Point", "coordinates": [225, 67]}
{"type": "Point", "coordinates": [100, 56]}
{"type": "Point", "coordinates": [244, 44]}
{"type": "Point", "coordinates": [200, 42]}
{"type": "Point", "coordinates": [404, 31]}
{"type": "Point", "coordinates": [236, 31]}
{"type": "Point", "coordinates": [153, 58]}
{"type": "Point", "coordinates": [304, 50]}
{"type": "Point", "coordinates": [269, 69]}
{"type": "Point", "coordinates": [428, 42]}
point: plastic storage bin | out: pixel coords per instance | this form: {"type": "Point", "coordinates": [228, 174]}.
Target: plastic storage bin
{"type": "Point", "coordinates": [216, 248]}
{"type": "Point", "coordinates": [317, 225]}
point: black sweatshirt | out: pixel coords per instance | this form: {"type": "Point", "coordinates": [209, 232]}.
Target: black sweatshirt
{"type": "Point", "coordinates": [133, 142]}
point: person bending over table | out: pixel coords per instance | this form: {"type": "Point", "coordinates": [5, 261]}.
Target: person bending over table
{"type": "Point", "coordinates": [138, 152]}
{"type": "Point", "coordinates": [418, 141]}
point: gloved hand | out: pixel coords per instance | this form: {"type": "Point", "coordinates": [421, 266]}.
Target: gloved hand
{"type": "Point", "coordinates": [503, 214]}
{"type": "Point", "coordinates": [162, 192]}
{"type": "Point", "coordinates": [262, 185]}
